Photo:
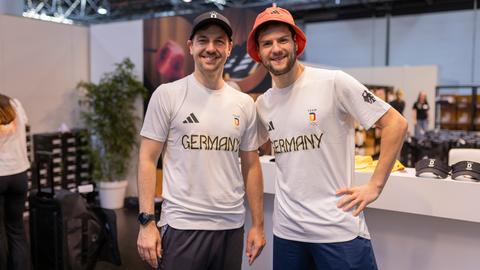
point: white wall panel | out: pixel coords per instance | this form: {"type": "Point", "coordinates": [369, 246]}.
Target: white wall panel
{"type": "Point", "coordinates": [352, 43]}
{"type": "Point", "coordinates": [41, 64]}
{"type": "Point", "coordinates": [110, 44]}
{"type": "Point", "coordinates": [443, 39]}
{"type": "Point", "coordinates": [410, 79]}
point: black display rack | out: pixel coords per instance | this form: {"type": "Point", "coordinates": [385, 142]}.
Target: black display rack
{"type": "Point", "coordinates": [29, 171]}
{"type": "Point", "coordinates": [70, 165]}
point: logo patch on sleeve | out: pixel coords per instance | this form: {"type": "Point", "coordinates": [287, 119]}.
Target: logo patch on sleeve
{"type": "Point", "coordinates": [368, 97]}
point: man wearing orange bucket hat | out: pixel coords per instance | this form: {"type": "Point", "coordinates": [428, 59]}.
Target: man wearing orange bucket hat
{"type": "Point", "coordinates": [309, 116]}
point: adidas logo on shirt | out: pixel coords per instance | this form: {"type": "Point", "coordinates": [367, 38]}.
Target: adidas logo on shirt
{"type": "Point", "coordinates": [270, 126]}
{"type": "Point", "coordinates": [191, 119]}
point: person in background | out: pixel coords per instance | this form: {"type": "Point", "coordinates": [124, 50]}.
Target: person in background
{"type": "Point", "coordinates": [398, 103]}
{"type": "Point", "coordinates": [380, 93]}
{"type": "Point", "coordinates": [14, 164]}
{"type": "Point", "coordinates": [309, 116]}
{"type": "Point", "coordinates": [420, 114]}
{"type": "Point", "coordinates": [202, 126]}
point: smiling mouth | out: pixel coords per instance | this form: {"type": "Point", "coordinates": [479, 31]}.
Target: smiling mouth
{"type": "Point", "coordinates": [278, 59]}
{"type": "Point", "coordinates": [210, 57]}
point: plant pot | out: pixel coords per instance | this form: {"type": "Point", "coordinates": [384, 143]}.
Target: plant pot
{"type": "Point", "coordinates": [112, 194]}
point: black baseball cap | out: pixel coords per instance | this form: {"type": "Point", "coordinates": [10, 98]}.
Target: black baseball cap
{"type": "Point", "coordinates": [212, 17]}
{"type": "Point", "coordinates": [432, 165]}
{"type": "Point", "coordinates": [469, 168]}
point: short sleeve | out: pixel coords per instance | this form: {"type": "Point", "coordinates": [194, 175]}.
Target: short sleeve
{"type": "Point", "coordinates": [249, 138]}
{"type": "Point", "coordinates": [20, 111]}
{"type": "Point", "coordinates": [261, 123]}
{"type": "Point", "coordinates": [157, 120]}
{"type": "Point", "coordinates": [355, 99]}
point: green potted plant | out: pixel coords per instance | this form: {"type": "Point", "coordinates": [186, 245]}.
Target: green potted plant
{"type": "Point", "coordinates": [108, 112]}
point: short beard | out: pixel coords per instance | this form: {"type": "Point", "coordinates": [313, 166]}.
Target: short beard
{"type": "Point", "coordinates": [278, 72]}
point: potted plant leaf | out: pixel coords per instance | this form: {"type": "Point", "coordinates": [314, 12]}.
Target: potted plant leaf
{"type": "Point", "coordinates": [108, 112]}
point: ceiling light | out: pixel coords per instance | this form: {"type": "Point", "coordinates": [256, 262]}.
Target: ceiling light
{"type": "Point", "coordinates": [102, 11]}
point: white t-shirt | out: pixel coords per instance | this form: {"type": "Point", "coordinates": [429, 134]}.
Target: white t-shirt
{"type": "Point", "coordinates": [204, 130]}
{"type": "Point", "coordinates": [311, 126]}
{"type": "Point", "coordinates": [13, 144]}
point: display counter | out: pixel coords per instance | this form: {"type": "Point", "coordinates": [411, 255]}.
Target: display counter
{"type": "Point", "coordinates": [404, 192]}
{"type": "Point", "coordinates": [416, 223]}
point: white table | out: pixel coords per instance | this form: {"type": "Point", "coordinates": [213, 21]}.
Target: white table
{"type": "Point", "coordinates": [417, 223]}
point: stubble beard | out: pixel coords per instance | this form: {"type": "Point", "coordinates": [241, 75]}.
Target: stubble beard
{"type": "Point", "coordinates": [278, 72]}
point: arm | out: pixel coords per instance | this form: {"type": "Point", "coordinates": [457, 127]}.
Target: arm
{"type": "Point", "coordinates": [252, 176]}
{"type": "Point", "coordinates": [414, 115]}
{"type": "Point", "coordinates": [393, 127]}
{"type": "Point", "coordinates": [148, 241]}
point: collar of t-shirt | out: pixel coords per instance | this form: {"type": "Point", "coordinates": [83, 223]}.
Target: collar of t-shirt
{"type": "Point", "coordinates": [199, 85]}
{"type": "Point", "coordinates": [299, 80]}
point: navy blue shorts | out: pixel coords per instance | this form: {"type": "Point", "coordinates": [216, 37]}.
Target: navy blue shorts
{"type": "Point", "coordinates": [295, 255]}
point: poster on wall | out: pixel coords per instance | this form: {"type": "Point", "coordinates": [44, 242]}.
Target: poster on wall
{"type": "Point", "coordinates": [167, 58]}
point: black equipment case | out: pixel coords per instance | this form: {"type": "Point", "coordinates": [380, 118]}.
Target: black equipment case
{"type": "Point", "coordinates": [65, 233]}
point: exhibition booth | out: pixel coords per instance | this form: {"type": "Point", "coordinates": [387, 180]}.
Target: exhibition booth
{"type": "Point", "coordinates": [417, 223]}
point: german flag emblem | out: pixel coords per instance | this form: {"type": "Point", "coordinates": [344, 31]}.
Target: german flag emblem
{"type": "Point", "coordinates": [312, 117]}
{"type": "Point", "coordinates": [236, 121]}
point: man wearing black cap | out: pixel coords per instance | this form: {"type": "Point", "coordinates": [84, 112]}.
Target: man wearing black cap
{"type": "Point", "coordinates": [201, 125]}
{"type": "Point", "coordinates": [309, 116]}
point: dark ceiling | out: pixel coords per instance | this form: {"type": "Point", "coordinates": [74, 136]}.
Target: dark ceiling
{"type": "Point", "coordinates": [86, 11]}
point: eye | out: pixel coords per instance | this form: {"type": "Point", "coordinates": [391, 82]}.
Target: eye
{"type": "Point", "coordinates": [265, 44]}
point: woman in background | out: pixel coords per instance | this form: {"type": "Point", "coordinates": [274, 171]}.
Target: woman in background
{"type": "Point", "coordinates": [420, 114]}
{"type": "Point", "coordinates": [398, 104]}
{"type": "Point", "coordinates": [14, 164]}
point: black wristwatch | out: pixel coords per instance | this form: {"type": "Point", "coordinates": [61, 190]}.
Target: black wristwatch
{"type": "Point", "coordinates": [144, 218]}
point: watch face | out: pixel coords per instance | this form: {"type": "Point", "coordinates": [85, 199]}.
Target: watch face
{"type": "Point", "coordinates": [144, 218]}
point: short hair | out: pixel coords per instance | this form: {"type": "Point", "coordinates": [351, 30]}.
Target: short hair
{"type": "Point", "coordinates": [268, 24]}
{"type": "Point", "coordinates": [7, 112]}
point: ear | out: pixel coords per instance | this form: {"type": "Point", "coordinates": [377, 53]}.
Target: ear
{"type": "Point", "coordinates": [189, 45]}
{"type": "Point", "coordinates": [230, 47]}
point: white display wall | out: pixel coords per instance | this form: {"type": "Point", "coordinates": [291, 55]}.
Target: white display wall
{"type": "Point", "coordinates": [110, 44]}
{"type": "Point", "coordinates": [445, 39]}
{"type": "Point", "coordinates": [352, 43]}
{"type": "Point", "coordinates": [411, 79]}
{"type": "Point", "coordinates": [40, 64]}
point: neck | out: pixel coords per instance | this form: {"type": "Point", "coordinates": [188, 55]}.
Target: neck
{"type": "Point", "coordinates": [290, 77]}
{"type": "Point", "coordinates": [211, 80]}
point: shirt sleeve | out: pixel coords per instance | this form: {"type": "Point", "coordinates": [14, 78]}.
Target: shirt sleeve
{"type": "Point", "coordinates": [249, 141]}
{"type": "Point", "coordinates": [355, 99]}
{"type": "Point", "coordinates": [20, 111]}
{"type": "Point", "coordinates": [262, 130]}
{"type": "Point", "coordinates": [157, 120]}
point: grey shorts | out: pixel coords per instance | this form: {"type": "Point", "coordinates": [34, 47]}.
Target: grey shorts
{"type": "Point", "coordinates": [201, 249]}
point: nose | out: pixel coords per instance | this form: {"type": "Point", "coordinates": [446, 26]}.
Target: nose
{"type": "Point", "coordinates": [276, 48]}
{"type": "Point", "coordinates": [210, 47]}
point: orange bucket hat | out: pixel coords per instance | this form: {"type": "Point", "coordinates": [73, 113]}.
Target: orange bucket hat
{"type": "Point", "coordinates": [274, 14]}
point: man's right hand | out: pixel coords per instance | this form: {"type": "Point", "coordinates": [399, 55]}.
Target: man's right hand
{"type": "Point", "coordinates": [149, 244]}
